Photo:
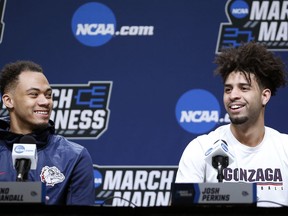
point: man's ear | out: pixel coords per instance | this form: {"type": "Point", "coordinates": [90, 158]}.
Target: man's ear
{"type": "Point", "coordinates": [7, 101]}
{"type": "Point", "coordinates": [266, 95]}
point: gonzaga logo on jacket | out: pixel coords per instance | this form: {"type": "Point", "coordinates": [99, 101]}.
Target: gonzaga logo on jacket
{"type": "Point", "coordinates": [51, 176]}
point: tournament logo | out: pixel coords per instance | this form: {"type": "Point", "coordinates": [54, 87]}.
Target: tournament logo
{"type": "Point", "coordinates": [2, 24]}
{"type": "Point", "coordinates": [198, 111]}
{"type": "Point", "coordinates": [81, 111]}
{"type": "Point", "coordinates": [265, 22]}
{"type": "Point", "coordinates": [94, 24]}
{"type": "Point", "coordinates": [135, 186]}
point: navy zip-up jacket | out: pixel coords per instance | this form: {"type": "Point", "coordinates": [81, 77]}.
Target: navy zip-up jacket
{"type": "Point", "coordinates": [65, 167]}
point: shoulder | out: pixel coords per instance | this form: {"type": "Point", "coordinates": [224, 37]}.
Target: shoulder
{"type": "Point", "coordinates": [65, 146]}
{"type": "Point", "coordinates": [273, 133]}
{"type": "Point", "coordinates": [66, 153]}
{"type": "Point", "coordinates": [276, 140]}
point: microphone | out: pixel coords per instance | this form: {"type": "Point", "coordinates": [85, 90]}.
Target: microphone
{"type": "Point", "coordinates": [219, 157]}
{"type": "Point", "coordinates": [24, 157]}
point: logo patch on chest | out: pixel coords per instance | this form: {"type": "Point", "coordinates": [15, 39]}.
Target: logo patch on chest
{"type": "Point", "coordinates": [51, 176]}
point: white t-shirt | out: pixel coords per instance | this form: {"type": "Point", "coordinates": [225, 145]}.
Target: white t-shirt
{"type": "Point", "coordinates": [265, 164]}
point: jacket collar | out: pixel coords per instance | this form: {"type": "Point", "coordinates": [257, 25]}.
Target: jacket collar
{"type": "Point", "coordinates": [41, 136]}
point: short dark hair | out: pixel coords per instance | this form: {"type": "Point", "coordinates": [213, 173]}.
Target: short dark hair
{"type": "Point", "coordinates": [253, 58]}
{"type": "Point", "coordinates": [10, 73]}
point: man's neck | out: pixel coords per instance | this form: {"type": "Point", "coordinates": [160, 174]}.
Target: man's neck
{"type": "Point", "coordinates": [249, 136]}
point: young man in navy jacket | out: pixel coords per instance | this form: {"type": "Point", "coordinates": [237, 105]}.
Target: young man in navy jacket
{"type": "Point", "coordinates": [65, 167]}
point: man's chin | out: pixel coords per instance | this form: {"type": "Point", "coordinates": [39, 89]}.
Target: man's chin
{"type": "Point", "coordinates": [41, 126]}
{"type": "Point", "coordinates": [238, 120]}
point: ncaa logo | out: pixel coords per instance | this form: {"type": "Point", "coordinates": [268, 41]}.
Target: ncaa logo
{"type": "Point", "coordinates": [197, 111]}
{"type": "Point", "coordinates": [239, 9]}
{"type": "Point", "coordinates": [19, 149]}
{"type": "Point", "coordinates": [224, 147]}
{"type": "Point", "coordinates": [208, 151]}
{"type": "Point", "coordinates": [97, 178]}
{"type": "Point", "coordinates": [93, 24]}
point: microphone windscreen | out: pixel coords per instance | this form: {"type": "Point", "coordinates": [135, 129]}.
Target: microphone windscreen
{"type": "Point", "coordinates": [25, 149]}
{"type": "Point", "coordinates": [27, 139]}
{"type": "Point", "coordinates": [220, 147]}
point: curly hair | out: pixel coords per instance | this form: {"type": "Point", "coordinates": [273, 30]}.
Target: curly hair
{"type": "Point", "coordinates": [253, 58]}
{"type": "Point", "coordinates": [10, 73]}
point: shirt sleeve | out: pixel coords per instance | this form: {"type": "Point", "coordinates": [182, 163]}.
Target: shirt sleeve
{"type": "Point", "coordinates": [191, 167]}
{"type": "Point", "coordinates": [81, 190]}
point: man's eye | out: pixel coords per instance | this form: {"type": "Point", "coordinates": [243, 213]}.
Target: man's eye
{"type": "Point", "coordinates": [245, 88]}
{"type": "Point", "coordinates": [227, 90]}
{"type": "Point", "coordinates": [48, 95]}
{"type": "Point", "coordinates": [34, 94]}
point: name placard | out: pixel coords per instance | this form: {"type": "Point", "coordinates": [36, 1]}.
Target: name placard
{"type": "Point", "coordinates": [214, 193]}
{"type": "Point", "coordinates": [22, 192]}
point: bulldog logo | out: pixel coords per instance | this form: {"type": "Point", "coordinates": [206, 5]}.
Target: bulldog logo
{"type": "Point", "coordinates": [51, 176]}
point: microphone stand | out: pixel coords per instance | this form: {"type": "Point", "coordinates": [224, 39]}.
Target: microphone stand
{"type": "Point", "coordinates": [220, 162]}
{"type": "Point", "coordinates": [22, 166]}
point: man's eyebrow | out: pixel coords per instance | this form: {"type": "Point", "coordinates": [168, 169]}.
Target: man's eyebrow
{"type": "Point", "coordinates": [37, 89]}
{"type": "Point", "coordinates": [238, 84]}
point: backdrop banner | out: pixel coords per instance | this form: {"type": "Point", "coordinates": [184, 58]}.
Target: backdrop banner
{"type": "Point", "coordinates": [133, 80]}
